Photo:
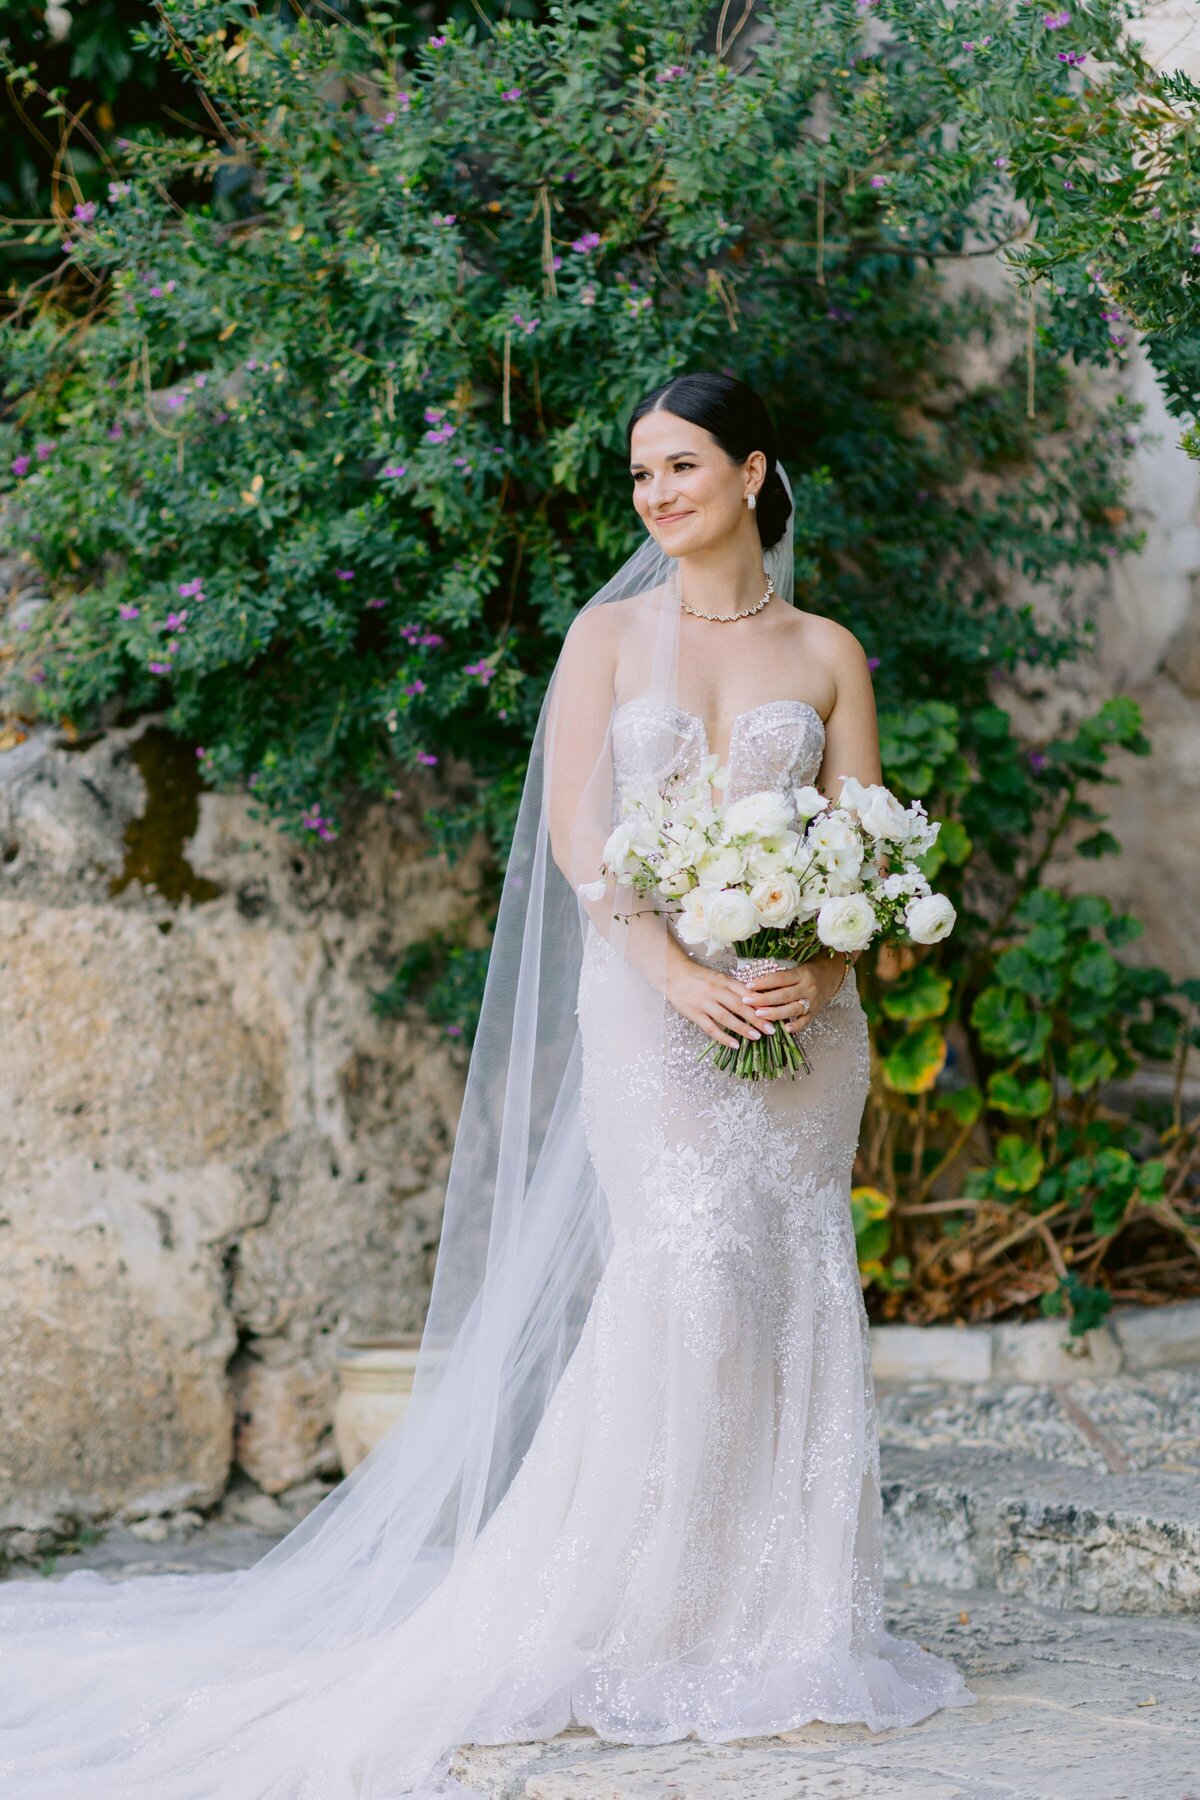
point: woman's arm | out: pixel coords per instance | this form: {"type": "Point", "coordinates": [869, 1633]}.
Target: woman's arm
{"type": "Point", "coordinates": [851, 749]}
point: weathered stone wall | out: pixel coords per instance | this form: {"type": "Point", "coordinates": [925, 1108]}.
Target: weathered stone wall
{"type": "Point", "coordinates": [215, 1159]}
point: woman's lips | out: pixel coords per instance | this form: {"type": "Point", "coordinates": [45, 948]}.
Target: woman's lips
{"type": "Point", "coordinates": [671, 518]}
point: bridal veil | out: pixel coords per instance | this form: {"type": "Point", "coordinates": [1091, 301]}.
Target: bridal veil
{"type": "Point", "coordinates": [348, 1663]}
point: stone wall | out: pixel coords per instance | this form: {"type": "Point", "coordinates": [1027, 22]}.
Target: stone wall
{"type": "Point", "coordinates": [216, 1159]}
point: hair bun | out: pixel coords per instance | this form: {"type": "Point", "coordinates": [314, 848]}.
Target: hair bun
{"type": "Point", "coordinates": [773, 510]}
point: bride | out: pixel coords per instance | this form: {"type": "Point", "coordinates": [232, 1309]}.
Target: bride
{"type": "Point", "coordinates": [637, 1488]}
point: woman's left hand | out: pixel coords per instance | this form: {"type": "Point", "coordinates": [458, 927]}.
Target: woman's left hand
{"type": "Point", "coordinates": [783, 991]}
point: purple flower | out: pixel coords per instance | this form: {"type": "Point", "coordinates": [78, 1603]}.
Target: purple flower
{"type": "Point", "coordinates": [432, 638]}
{"type": "Point", "coordinates": [119, 190]}
{"type": "Point", "coordinates": [44, 451]}
{"type": "Point", "coordinates": [589, 241]}
{"type": "Point", "coordinates": [414, 687]}
{"type": "Point", "coordinates": [873, 663]}
{"type": "Point", "coordinates": [86, 212]}
{"type": "Point", "coordinates": [454, 1031]}
{"type": "Point", "coordinates": [191, 590]}
{"type": "Point", "coordinates": [441, 434]}
{"type": "Point", "coordinates": [377, 603]}
{"type": "Point", "coordinates": [344, 574]}
{"type": "Point", "coordinates": [176, 621]}
{"type": "Point", "coordinates": [878, 181]}
{"type": "Point", "coordinates": [483, 669]}
{"type": "Point", "coordinates": [432, 414]}
{"type": "Point", "coordinates": [38, 677]}
{"type": "Point", "coordinates": [160, 668]}
{"type": "Point", "coordinates": [396, 470]}
{"type": "Point", "coordinates": [438, 43]}
{"type": "Point", "coordinates": [1037, 761]}
{"type": "Point", "coordinates": [20, 465]}
{"type": "Point", "coordinates": [68, 245]}
{"type": "Point", "coordinates": [1001, 162]}
{"type": "Point", "coordinates": [511, 94]}
{"type": "Point", "coordinates": [116, 431]}
{"type": "Point", "coordinates": [128, 612]}
{"type": "Point", "coordinates": [444, 218]}
{"type": "Point", "coordinates": [1056, 21]}
{"type": "Point", "coordinates": [525, 325]}
{"type": "Point", "coordinates": [424, 757]}
{"type": "Point", "coordinates": [670, 74]}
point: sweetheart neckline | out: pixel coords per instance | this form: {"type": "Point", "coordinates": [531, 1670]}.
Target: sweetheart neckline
{"type": "Point", "coordinates": [644, 699]}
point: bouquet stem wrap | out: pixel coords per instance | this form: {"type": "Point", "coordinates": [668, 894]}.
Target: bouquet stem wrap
{"type": "Point", "coordinates": [775, 1053]}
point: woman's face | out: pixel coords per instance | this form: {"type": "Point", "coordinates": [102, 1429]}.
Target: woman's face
{"type": "Point", "coordinates": [687, 492]}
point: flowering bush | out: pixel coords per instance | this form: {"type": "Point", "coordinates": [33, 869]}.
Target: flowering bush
{"type": "Point", "coordinates": [315, 430]}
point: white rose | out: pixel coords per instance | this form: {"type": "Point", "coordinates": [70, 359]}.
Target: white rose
{"type": "Point", "coordinates": [929, 918]}
{"type": "Point", "coordinates": [847, 922]}
{"type": "Point", "coordinates": [776, 899]}
{"type": "Point", "coordinates": [762, 814]}
{"type": "Point", "coordinates": [883, 816]}
{"type": "Point", "coordinates": [732, 915]}
{"type": "Point", "coordinates": [809, 801]}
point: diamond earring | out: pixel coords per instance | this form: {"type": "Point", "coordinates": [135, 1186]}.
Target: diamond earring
{"type": "Point", "coordinates": [751, 501]}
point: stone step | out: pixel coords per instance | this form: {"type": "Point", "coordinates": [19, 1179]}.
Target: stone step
{"type": "Point", "coordinates": [1076, 1494]}
{"type": "Point", "coordinates": [1053, 1532]}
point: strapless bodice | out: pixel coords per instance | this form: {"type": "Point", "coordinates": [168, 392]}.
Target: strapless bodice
{"type": "Point", "coordinates": [779, 744]}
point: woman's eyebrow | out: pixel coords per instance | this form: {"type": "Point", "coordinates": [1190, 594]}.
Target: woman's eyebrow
{"type": "Point", "coordinates": [674, 457]}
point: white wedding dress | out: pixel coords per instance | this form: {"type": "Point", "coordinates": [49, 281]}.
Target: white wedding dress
{"type": "Point", "coordinates": [691, 1542]}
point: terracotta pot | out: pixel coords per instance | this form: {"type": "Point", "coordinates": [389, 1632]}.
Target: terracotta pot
{"type": "Point", "coordinates": [376, 1379]}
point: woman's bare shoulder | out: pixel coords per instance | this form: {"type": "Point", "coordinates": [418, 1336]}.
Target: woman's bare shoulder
{"type": "Point", "coordinates": [832, 640]}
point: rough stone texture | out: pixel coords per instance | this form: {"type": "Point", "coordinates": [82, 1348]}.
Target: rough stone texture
{"type": "Point", "coordinates": [1074, 1495]}
{"type": "Point", "coordinates": [215, 1159]}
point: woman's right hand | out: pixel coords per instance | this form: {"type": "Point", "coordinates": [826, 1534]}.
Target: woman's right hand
{"type": "Point", "coordinates": [717, 1002]}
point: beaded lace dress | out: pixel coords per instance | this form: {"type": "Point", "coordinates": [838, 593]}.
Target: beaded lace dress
{"type": "Point", "coordinates": [638, 1485]}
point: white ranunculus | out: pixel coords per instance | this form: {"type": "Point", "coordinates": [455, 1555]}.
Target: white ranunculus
{"type": "Point", "coordinates": [847, 922]}
{"type": "Point", "coordinates": [809, 801]}
{"type": "Point", "coordinates": [776, 899]}
{"type": "Point", "coordinates": [763, 814]}
{"type": "Point", "coordinates": [732, 915]}
{"type": "Point", "coordinates": [692, 918]}
{"type": "Point", "coordinates": [883, 816]}
{"type": "Point", "coordinates": [721, 865]}
{"type": "Point", "coordinates": [929, 918]}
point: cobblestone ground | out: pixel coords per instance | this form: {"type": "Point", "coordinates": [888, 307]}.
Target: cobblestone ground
{"type": "Point", "coordinates": [1071, 1706]}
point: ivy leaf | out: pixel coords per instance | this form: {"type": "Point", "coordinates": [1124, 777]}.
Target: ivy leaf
{"type": "Point", "coordinates": [1089, 1063]}
{"type": "Point", "coordinates": [1019, 1164]}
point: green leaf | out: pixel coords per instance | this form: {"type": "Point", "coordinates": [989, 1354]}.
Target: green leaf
{"type": "Point", "coordinates": [919, 993]}
{"type": "Point", "coordinates": [916, 1062]}
{"type": "Point", "coordinates": [1018, 1166]}
{"type": "Point", "coordinates": [1020, 1099]}
{"type": "Point", "coordinates": [963, 1104]}
{"type": "Point", "coordinates": [1089, 1063]}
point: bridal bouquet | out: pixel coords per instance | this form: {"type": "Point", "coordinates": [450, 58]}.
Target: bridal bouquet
{"type": "Point", "coordinates": [775, 876]}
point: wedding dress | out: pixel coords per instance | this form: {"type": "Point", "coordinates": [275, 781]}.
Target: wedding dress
{"type": "Point", "coordinates": [639, 1486]}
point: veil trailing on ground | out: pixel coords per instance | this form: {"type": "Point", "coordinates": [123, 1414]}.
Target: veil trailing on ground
{"type": "Point", "coordinates": [353, 1658]}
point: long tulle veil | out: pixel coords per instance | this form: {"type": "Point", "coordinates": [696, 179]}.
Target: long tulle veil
{"type": "Point", "coordinates": [350, 1661]}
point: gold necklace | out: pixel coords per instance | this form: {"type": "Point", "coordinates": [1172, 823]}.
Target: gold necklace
{"type": "Point", "coordinates": [723, 618]}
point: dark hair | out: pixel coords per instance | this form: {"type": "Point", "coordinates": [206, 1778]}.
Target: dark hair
{"type": "Point", "coordinates": [736, 417]}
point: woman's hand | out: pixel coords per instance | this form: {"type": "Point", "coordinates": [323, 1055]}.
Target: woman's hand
{"type": "Point", "coordinates": [781, 993]}
{"type": "Point", "coordinates": [718, 1003]}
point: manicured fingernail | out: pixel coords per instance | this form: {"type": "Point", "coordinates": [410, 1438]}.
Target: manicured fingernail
{"type": "Point", "coordinates": [768, 1025]}
{"type": "Point", "coordinates": [755, 1035]}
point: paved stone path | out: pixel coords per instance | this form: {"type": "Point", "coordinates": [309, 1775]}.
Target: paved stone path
{"type": "Point", "coordinates": [1007, 1495]}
